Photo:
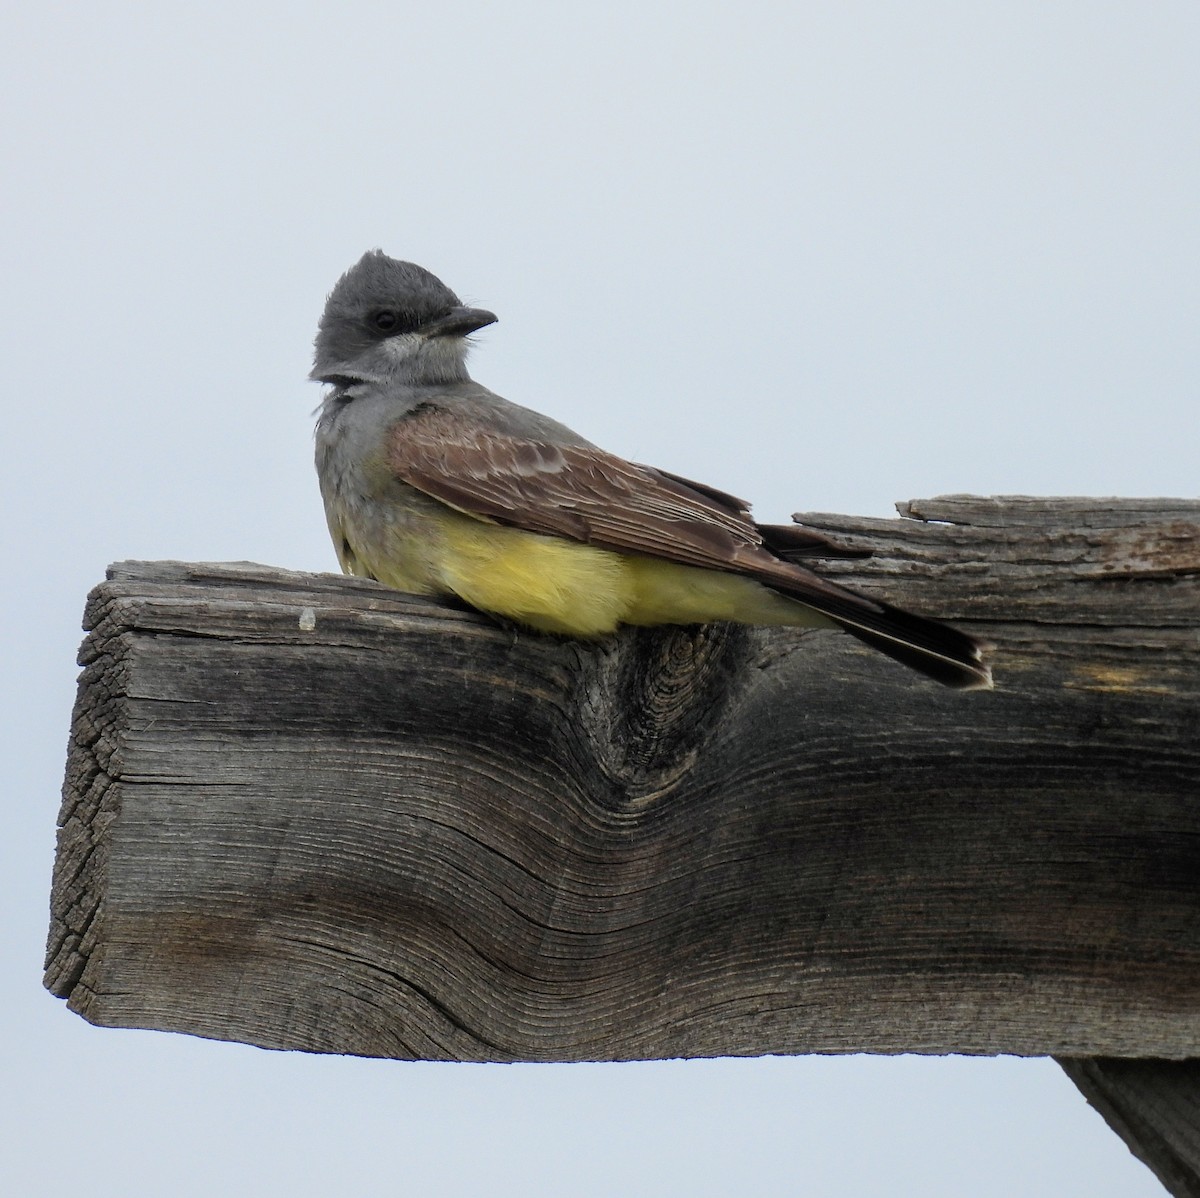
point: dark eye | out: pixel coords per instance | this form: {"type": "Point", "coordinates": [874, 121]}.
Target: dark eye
{"type": "Point", "coordinates": [385, 320]}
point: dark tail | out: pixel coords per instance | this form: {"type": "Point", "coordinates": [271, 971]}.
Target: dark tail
{"type": "Point", "coordinates": [937, 650]}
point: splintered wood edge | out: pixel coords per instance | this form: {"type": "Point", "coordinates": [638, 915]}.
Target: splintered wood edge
{"type": "Point", "coordinates": [1048, 511]}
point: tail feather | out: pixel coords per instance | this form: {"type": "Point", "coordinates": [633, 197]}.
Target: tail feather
{"type": "Point", "coordinates": [796, 544]}
{"type": "Point", "coordinates": [938, 650]}
{"type": "Point", "coordinates": [956, 659]}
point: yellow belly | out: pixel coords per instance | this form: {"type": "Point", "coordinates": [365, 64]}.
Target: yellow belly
{"type": "Point", "coordinates": [556, 585]}
{"type": "Point", "coordinates": [567, 587]}
{"type": "Point", "coordinates": [546, 582]}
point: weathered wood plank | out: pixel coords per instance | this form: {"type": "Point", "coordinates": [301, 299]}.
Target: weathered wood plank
{"type": "Point", "coordinates": [1154, 1106]}
{"type": "Point", "coordinates": [307, 812]}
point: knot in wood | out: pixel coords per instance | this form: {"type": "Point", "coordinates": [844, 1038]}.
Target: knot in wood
{"type": "Point", "coordinates": [651, 699]}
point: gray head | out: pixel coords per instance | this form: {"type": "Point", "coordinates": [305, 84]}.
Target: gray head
{"type": "Point", "coordinates": [392, 320]}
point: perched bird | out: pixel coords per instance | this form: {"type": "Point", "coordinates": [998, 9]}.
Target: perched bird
{"type": "Point", "coordinates": [437, 486]}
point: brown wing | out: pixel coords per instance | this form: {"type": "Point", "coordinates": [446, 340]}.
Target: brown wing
{"type": "Point", "coordinates": [788, 541]}
{"type": "Point", "coordinates": [574, 491]}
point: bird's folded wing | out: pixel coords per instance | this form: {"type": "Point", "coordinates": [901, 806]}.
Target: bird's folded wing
{"type": "Point", "coordinates": [788, 541]}
{"type": "Point", "coordinates": [587, 495]}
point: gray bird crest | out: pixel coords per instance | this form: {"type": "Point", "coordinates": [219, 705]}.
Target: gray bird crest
{"type": "Point", "coordinates": [392, 321]}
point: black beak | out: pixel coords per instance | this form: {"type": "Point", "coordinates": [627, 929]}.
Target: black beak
{"type": "Point", "coordinates": [458, 322]}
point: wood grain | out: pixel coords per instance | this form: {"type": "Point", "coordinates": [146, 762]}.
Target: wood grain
{"type": "Point", "coordinates": [308, 812]}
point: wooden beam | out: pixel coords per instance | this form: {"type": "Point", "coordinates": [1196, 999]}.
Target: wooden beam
{"type": "Point", "coordinates": [304, 811]}
{"type": "Point", "coordinates": [1154, 1106]}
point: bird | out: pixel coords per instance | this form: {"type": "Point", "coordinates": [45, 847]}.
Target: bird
{"type": "Point", "coordinates": [436, 486]}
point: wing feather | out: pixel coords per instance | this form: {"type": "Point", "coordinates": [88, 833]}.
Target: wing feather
{"type": "Point", "coordinates": [586, 494]}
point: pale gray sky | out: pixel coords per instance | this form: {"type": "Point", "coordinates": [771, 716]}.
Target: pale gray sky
{"type": "Point", "coordinates": [824, 255]}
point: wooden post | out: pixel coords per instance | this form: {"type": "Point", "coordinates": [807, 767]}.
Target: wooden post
{"type": "Point", "coordinates": [307, 812]}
